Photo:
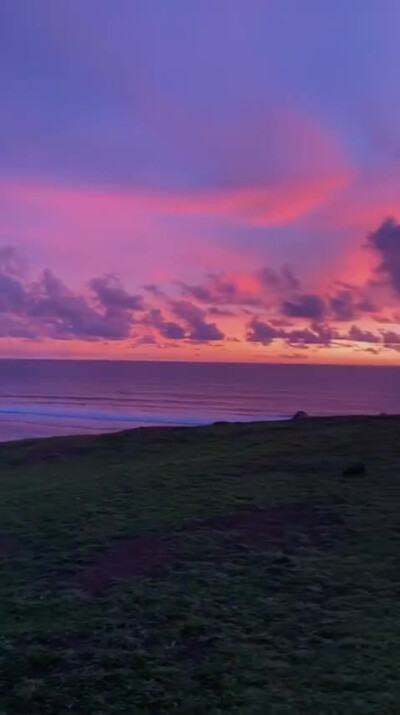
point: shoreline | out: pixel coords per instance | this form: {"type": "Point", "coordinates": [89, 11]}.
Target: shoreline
{"type": "Point", "coordinates": [156, 428]}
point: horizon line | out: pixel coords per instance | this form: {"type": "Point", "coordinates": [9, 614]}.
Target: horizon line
{"type": "Point", "coordinates": [197, 362]}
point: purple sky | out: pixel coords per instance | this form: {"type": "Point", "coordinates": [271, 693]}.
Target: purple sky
{"type": "Point", "coordinates": [200, 180]}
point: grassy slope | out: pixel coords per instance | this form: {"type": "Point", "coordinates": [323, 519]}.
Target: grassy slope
{"type": "Point", "coordinates": [311, 630]}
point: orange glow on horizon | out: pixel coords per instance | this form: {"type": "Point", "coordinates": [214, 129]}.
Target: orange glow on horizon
{"type": "Point", "coordinates": [237, 352]}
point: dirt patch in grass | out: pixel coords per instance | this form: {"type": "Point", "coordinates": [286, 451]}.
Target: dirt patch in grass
{"type": "Point", "coordinates": [134, 556]}
{"type": "Point", "coordinates": [194, 650]}
{"type": "Point", "coordinates": [74, 642]}
{"type": "Point", "coordinates": [282, 525]}
{"type": "Point", "coordinates": [286, 526]}
{"type": "Point", "coordinates": [8, 546]}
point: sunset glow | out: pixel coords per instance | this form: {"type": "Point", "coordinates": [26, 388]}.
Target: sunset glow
{"type": "Point", "coordinates": [180, 185]}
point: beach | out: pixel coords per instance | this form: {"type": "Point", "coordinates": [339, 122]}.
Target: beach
{"type": "Point", "coordinates": [231, 568]}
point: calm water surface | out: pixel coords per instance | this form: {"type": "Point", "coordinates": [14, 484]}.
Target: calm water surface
{"type": "Point", "coordinates": [42, 398]}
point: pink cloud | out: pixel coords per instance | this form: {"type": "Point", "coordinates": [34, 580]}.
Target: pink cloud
{"type": "Point", "coordinates": [267, 206]}
{"type": "Point", "coordinates": [146, 236]}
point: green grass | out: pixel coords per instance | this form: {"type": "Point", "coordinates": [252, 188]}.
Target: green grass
{"type": "Point", "coordinates": [305, 626]}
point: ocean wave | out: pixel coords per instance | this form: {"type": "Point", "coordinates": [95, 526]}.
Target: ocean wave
{"type": "Point", "coordinates": [17, 410]}
{"type": "Point", "coordinates": [151, 397]}
{"type": "Point", "coordinates": [22, 412]}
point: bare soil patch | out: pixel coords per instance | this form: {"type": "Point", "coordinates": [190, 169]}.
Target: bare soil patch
{"type": "Point", "coordinates": [287, 526]}
{"type": "Point", "coordinates": [129, 557]}
{"type": "Point", "coordinates": [8, 546]}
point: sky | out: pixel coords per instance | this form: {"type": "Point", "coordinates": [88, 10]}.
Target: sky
{"type": "Point", "coordinates": [200, 180]}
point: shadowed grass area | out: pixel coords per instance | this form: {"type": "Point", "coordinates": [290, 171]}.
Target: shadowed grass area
{"type": "Point", "coordinates": [226, 569]}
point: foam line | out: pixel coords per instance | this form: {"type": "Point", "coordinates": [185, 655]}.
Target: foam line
{"type": "Point", "coordinates": [17, 410]}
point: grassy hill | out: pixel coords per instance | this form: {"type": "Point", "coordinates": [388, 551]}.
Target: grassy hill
{"type": "Point", "coordinates": [227, 569]}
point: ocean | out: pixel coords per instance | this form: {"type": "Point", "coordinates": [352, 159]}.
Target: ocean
{"type": "Point", "coordinates": [41, 398]}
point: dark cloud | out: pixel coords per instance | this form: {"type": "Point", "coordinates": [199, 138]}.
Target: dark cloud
{"type": "Point", "coordinates": [308, 306]}
{"type": "Point", "coordinates": [342, 306]}
{"type": "Point", "coordinates": [70, 315]}
{"type": "Point", "coordinates": [261, 332]}
{"type": "Point", "coordinates": [199, 292]}
{"type": "Point", "coordinates": [283, 281]}
{"type": "Point", "coordinates": [346, 304]}
{"type": "Point", "coordinates": [52, 288]}
{"type": "Point", "coordinates": [112, 294]}
{"type": "Point", "coordinates": [168, 329]}
{"type": "Point", "coordinates": [265, 333]}
{"type": "Point", "coordinates": [319, 334]}
{"type": "Point", "coordinates": [13, 297]}
{"type": "Point", "coordinates": [348, 299]}
{"type": "Point", "coordinates": [15, 326]}
{"type": "Point", "coordinates": [279, 291]}
{"type": "Point", "coordinates": [316, 334]}
{"type": "Point", "coordinates": [391, 339]}
{"type": "Point", "coordinates": [362, 336]}
{"type": "Point", "coordinates": [154, 290]}
{"type": "Point", "coordinates": [49, 308]}
{"type": "Point", "coordinates": [366, 306]}
{"type": "Point", "coordinates": [194, 317]}
{"type": "Point", "coordinates": [386, 241]}
{"type": "Point", "coordinates": [220, 290]}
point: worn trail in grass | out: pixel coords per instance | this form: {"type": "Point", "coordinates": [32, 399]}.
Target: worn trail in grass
{"type": "Point", "coordinates": [227, 569]}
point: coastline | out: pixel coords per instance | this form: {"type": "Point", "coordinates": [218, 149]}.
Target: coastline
{"type": "Point", "coordinates": [155, 423]}
{"type": "Point", "coordinates": [169, 424]}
